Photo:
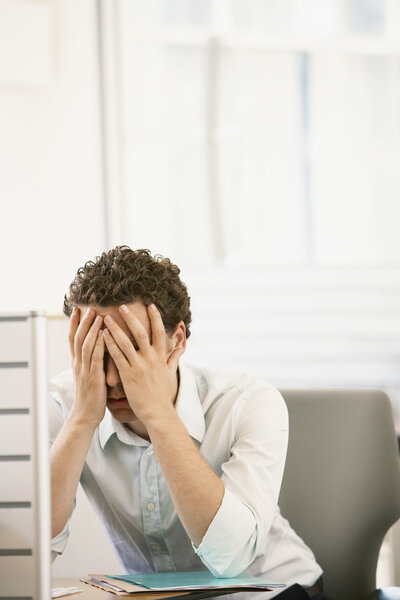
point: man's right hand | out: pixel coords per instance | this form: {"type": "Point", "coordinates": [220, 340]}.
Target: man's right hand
{"type": "Point", "coordinates": [87, 351]}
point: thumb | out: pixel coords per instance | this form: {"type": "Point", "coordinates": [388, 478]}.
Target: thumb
{"type": "Point", "coordinates": [173, 360]}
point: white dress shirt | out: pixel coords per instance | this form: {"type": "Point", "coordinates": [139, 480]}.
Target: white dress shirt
{"type": "Point", "coordinates": [240, 425]}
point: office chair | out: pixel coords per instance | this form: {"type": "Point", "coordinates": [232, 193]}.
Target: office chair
{"type": "Point", "coordinates": [341, 485]}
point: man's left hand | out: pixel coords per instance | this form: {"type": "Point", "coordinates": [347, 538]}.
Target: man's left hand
{"type": "Point", "coordinates": [149, 378]}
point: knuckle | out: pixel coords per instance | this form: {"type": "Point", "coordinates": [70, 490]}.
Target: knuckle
{"type": "Point", "coordinates": [77, 339]}
{"type": "Point", "coordinates": [140, 369]}
{"type": "Point", "coordinates": [152, 360]}
{"type": "Point", "coordinates": [85, 351]}
{"type": "Point", "coordinates": [97, 354]}
{"type": "Point", "coordinates": [126, 346]}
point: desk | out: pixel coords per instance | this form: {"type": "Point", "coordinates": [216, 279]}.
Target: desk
{"type": "Point", "coordinates": [89, 592]}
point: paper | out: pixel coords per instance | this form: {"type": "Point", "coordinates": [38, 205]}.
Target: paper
{"type": "Point", "coordinates": [58, 592]}
{"type": "Point", "coordinates": [192, 580]}
{"type": "Point", "coordinates": [104, 584]}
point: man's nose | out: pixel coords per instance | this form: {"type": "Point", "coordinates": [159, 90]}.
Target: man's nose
{"type": "Point", "coordinates": [112, 373]}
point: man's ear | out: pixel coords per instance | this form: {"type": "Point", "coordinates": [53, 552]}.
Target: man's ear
{"type": "Point", "coordinates": [177, 341]}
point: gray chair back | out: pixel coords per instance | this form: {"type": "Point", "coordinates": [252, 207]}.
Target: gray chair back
{"type": "Point", "coordinates": [341, 486]}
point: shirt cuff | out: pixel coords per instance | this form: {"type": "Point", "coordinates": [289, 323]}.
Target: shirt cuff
{"type": "Point", "coordinates": [229, 544]}
{"type": "Point", "coordinates": [59, 542]}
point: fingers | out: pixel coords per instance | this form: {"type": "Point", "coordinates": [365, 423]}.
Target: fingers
{"type": "Point", "coordinates": [136, 328]}
{"type": "Point", "coordinates": [90, 342]}
{"type": "Point", "coordinates": [122, 340]}
{"type": "Point", "coordinates": [87, 319]}
{"type": "Point", "coordinates": [157, 328]}
{"type": "Point", "coordinates": [73, 326]}
{"type": "Point", "coordinates": [173, 360]}
{"type": "Point", "coordinates": [116, 354]}
{"type": "Point", "coordinates": [98, 352]}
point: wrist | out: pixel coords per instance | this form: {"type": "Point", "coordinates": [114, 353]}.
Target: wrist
{"type": "Point", "coordinates": [163, 420]}
{"type": "Point", "coordinates": [82, 421]}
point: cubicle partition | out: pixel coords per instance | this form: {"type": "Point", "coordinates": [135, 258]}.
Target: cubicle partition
{"type": "Point", "coordinates": [24, 472]}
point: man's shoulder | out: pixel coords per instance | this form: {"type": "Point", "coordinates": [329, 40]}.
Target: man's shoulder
{"type": "Point", "coordinates": [240, 398]}
{"type": "Point", "coordinates": [61, 389]}
{"type": "Point", "coordinates": [63, 381]}
{"type": "Point", "coordinates": [61, 397]}
{"type": "Point", "coordinates": [219, 385]}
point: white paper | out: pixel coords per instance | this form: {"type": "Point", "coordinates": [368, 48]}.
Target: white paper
{"type": "Point", "coordinates": [57, 592]}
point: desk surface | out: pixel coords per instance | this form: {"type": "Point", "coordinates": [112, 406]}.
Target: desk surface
{"type": "Point", "coordinates": [88, 591]}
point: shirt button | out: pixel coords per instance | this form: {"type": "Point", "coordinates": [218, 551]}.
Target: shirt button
{"type": "Point", "coordinates": [157, 548]}
{"type": "Point", "coordinates": [149, 452]}
{"type": "Point", "coordinates": [151, 506]}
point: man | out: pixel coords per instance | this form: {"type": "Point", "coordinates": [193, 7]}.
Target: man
{"type": "Point", "coordinates": [182, 465]}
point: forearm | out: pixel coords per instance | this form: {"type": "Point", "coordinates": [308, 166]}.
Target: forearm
{"type": "Point", "coordinates": [67, 457]}
{"type": "Point", "coordinates": [195, 489]}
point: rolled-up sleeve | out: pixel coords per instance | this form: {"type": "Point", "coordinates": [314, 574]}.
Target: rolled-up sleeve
{"type": "Point", "coordinates": [252, 478]}
{"type": "Point", "coordinates": [234, 522]}
{"type": "Point", "coordinates": [59, 542]}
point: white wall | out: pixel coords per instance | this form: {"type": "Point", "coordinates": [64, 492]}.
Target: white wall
{"type": "Point", "coordinates": [50, 178]}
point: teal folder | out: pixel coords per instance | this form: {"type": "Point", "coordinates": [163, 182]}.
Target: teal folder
{"type": "Point", "coordinates": [194, 580]}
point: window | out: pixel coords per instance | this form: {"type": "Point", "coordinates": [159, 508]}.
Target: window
{"type": "Point", "coordinates": [261, 132]}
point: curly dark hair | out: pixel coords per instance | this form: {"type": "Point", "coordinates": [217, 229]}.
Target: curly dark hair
{"type": "Point", "coordinates": [123, 275]}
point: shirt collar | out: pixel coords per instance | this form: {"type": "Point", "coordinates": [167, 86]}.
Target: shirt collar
{"type": "Point", "coordinates": [64, 381]}
{"type": "Point", "coordinates": [188, 405]}
{"type": "Point", "coordinates": [109, 426]}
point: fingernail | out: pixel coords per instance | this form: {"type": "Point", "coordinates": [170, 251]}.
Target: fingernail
{"type": "Point", "coordinates": [153, 306]}
{"type": "Point", "coordinates": [124, 309]}
{"type": "Point", "coordinates": [108, 319]}
{"type": "Point", "coordinates": [89, 311]}
{"type": "Point", "coordinates": [97, 319]}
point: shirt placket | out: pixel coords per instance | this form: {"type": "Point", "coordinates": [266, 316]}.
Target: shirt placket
{"type": "Point", "coordinates": [152, 512]}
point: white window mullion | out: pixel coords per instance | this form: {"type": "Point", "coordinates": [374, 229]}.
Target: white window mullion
{"type": "Point", "coordinates": [110, 103]}
{"type": "Point", "coordinates": [212, 166]}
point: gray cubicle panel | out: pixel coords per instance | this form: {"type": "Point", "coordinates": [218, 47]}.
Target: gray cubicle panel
{"type": "Point", "coordinates": [24, 465]}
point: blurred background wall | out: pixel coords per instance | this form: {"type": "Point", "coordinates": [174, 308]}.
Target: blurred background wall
{"type": "Point", "coordinates": [50, 152]}
{"type": "Point", "coordinates": [254, 142]}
